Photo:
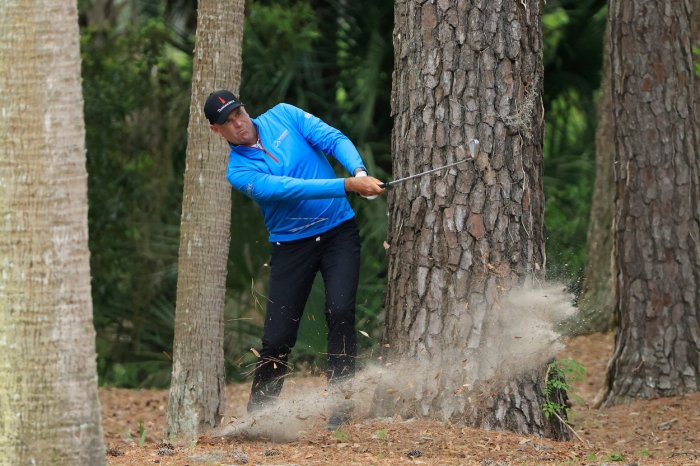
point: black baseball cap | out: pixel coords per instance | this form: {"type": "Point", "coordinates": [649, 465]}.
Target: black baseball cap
{"type": "Point", "coordinates": [219, 104]}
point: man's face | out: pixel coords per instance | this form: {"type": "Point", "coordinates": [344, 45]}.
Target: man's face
{"type": "Point", "coordinates": [238, 129]}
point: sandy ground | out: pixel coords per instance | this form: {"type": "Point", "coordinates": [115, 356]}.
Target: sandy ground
{"type": "Point", "coordinates": [660, 431]}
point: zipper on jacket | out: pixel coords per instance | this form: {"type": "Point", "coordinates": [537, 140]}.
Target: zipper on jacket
{"type": "Point", "coordinates": [259, 145]}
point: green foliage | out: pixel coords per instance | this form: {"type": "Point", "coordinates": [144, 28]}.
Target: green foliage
{"type": "Point", "coordinates": [696, 60]}
{"type": "Point", "coordinates": [279, 59]}
{"type": "Point", "coordinates": [365, 61]}
{"type": "Point", "coordinates": [568, 181]}
{"type": "Point", "coordinates": [560, 376]}
{"type": "Point", "coordinates": [615, 457]}
{"type": "Point", "coordinates": [136, 101]}
{"type": "Point", "coordinates": [573, 32]}
{"type": "Point", "coordinates": [554, 23]}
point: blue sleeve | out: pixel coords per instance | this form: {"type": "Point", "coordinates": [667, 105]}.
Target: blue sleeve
{"type": "Point", "coordinates": [325, 138]}
{"type": "Point", "coordinates": [266, 187]}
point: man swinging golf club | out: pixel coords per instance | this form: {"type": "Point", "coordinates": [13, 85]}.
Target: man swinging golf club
{"type": "Point", "coordinates": [278, 160]}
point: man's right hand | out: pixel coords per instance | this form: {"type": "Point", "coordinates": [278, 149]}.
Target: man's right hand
{"type": "Point", "coordinates": [363, 185]}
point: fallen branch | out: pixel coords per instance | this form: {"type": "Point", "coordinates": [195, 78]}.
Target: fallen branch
{"type": "Point", "coordinates": [572, 429]}
{"type": "Point", "coordinates": [689, 453]}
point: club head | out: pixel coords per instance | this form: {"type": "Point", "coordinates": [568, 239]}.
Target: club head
{"type": "Point", "coordinates": [474, 148]}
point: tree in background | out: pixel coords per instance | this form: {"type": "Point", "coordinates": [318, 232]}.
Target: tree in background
{"type": "Point", "coordinates": [197, 389]}
{"type": "Point", "coordinates": [48, 379]}
{"type": "Point", "coordinates": [596, 303]}
{"type": "Point", "coordinates": [457, 242]}
{"type": "Point", "coordinates": [657, 206]}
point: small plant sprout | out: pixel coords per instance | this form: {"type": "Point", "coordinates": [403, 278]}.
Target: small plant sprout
{"type": "Point", "coordinates": [615, 457]}
{"type": "Point", "coordinates": [560, 375]}
{"type": "Point", "coordinates": [380, 434]}
{"type": "Point", "coordinates": [142, 434]}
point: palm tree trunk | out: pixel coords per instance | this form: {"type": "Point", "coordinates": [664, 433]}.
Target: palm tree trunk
{"type": "Point", "coordinates": [197, 390]}
{"type": "Point", "coordinates": [49, 409]}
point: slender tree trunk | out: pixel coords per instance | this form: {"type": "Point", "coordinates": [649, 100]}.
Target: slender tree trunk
{"type": "Point", "coordinates": [197, 391]}
{"type": "Point", "coordinates": [657, 217]}
{"type": "Point", "coordinates": [49, 409]}
{"type": "Point", "coordinates": [596, 303]}
{"type": "Point", "coordinates": [458, 240]}
{"type": "Point", "coordinates": [695, 31]}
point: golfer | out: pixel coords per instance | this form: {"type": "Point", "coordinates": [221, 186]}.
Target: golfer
{"type": "Point", "coordinates": [279, 160]}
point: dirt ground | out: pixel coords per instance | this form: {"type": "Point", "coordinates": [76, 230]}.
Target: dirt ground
{"type": "Point", "coordinates": [655, 432]}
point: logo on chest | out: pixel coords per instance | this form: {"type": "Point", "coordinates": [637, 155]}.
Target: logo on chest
{"type": "Point", "coordinates": [281, 138]}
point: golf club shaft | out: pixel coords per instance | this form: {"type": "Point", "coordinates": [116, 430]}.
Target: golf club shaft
{"type": "Point", "coordinates": [389, 184]}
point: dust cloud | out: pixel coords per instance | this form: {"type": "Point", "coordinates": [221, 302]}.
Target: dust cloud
{"type": "Point", "coordinates": [520, 335]}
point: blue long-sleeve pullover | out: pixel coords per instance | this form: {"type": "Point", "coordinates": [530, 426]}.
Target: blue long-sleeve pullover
{"type": "Point", "coordinates": [290, 177]}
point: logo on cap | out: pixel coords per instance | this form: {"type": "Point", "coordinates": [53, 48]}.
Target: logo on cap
{"type": "Point", "coordinates": [219, 104]}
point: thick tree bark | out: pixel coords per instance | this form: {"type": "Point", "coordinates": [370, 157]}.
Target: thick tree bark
{"type": "Point", "coordinates": [197, 391]}
{"type": "Point", "coordinates": [657, 217]}
{"type": "Point", "coordinates": [49, 409]}
{"type": "Point", "coordinates": [466, 70]}
{"type": "Point", "coordinates": [596, 304]}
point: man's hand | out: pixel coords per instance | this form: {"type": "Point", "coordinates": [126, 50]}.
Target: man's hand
{"type": "Point", "coordinates": [363, 185]}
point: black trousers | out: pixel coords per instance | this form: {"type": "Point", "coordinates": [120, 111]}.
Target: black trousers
{"type": "Point", "coordinates": [336, 254]}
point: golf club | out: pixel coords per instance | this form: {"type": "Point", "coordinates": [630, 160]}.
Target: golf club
{"type": "Point", "coordinates": [473, 152]}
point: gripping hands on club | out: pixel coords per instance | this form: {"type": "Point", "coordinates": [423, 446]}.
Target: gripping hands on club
{"type": "Point", "coordinates": [369, 187]}
{"type": "Point", "coordinates": [365, 186]}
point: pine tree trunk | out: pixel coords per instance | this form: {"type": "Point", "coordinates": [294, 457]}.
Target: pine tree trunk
{"type": "Point", "coordinates": [657, 216]}
{"type": "Point", "coordinates": [596, 303]}
{"type": "Point", "coordinates": [460, 238]}
{"type": "Point", "coordinates": [49, 408]}
{"type": "Point", "coordinates": [197, 391]}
